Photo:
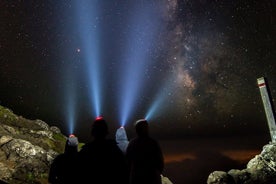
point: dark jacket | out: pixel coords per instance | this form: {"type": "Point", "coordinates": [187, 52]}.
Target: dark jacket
{"type": "Point", "coordinates": [102, 162]}
{"type": "Point", "coordinates": [64, 168]}
{"type": "Point", "coordinates": [145, 161]}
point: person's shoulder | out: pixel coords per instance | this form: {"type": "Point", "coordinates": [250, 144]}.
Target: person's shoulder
{"type": "Point", "coordinates": [86, 146]}
{"type": "Point", "coordinates": [59, 156]}
{"type": "Point", "coordinates": [133, 141]}
{"type": "Point", "coordinates": [154, 141]}
{"type": "Point", "coordinates": [111, 142]}
{"type": "Point", "coordinates": [112, 147]}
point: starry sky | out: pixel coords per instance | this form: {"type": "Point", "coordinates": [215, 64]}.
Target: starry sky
{"type": "Point", "coordinates": [190, 66]}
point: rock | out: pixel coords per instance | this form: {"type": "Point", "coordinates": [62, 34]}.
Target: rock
{"type": "Point", "coordinates": [55, 129]}
{"type": "Point", "coordinates": [240, 176]}
{"type": "Point", "coordinates": [220, 177]}
{"type": "Point", "coordinates": [27, 148]}
{"type": "Point", "coordinates": [165, 180]}
{"type": "Point", "coordinates": [259, 170]}
{"type": "Point", "coordinates": [9, 129]}
{"type": "Point", "coordinates": [5, 172]}
{"type": "Point", "coordinates": [42, 124]}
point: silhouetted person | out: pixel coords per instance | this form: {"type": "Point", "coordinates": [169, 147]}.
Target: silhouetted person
{"type": "Point", "coordinates": [121, 139]}
{"type": "Point", "coordinates": [63, 167]}
{"type": "Point", "coordinates": [101, 160]}
{"type": "Point", "coordinates": [144, 157]}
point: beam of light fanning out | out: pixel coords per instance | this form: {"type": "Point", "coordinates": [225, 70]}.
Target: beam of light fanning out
{"type": "Point", "coordinates": [141, 37]}
{"type": "Point", "coordinates": [71, 115]}
{"type": "Point", "coordinates": [70, 97]}
{"type": "Point", "coordinates": [159, 101]}
{"type": "Point", "coordinates": [70, 100]}
{"type": "Point", "coordinates": [88, 29]}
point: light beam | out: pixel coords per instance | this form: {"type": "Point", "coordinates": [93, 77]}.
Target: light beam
{"type": "Point", "coordinates": [141, 37]}
{"type": "Point", "coordinates": [71, 110]}
{"type": "Point", "coordinates": [158, 101]}
{"type": "Point", "coordinates": [87, 23]}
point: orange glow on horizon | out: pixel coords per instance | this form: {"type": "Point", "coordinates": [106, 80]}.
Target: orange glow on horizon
{"type": "Point", "coordinates": [179, 157]}
{"type": "Point", "coordinates": [241, 156]}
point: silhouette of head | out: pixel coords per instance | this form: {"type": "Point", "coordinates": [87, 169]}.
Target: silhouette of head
{"type": "Point", "coordinates": [99, 128]}
{"type": "Point", "coordinates": [141, 127]}
{"type": "Point", "coordinates": [71, 145]}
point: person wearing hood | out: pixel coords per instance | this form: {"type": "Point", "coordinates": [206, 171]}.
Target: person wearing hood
{"type": "Point", "coordinates": [144, 157]}
{"type": "Point", "coordinates": [64, 165]}
{"type": "Point", "coordinates": [121, 139]}
{"type": "Point", "coordinates": [101, 160]}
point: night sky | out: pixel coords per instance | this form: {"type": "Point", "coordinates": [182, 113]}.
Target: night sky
{"type": "Point", "coordinates": [199, 59]}
{"type": "Point", "coordinates": [190, 67]}
{"type": "Point", "coordinates": [193, 64]}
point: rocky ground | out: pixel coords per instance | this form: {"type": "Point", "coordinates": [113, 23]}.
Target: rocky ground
{"type": "Point", "coordinates": [260, 170]}
{"type": "Point", "coordinates": [27, 148]}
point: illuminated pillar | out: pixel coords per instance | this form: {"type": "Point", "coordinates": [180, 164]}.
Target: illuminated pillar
{"type": "Point", "coordinates": [268, 108]}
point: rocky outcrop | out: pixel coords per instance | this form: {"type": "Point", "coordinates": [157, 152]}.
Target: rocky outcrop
{"type": "Point", "coordinates": [260, 170]}
{"type": "Point", "coordinates": [27, 148]}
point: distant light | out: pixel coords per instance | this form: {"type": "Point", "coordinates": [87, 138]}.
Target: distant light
{"type": "Point", "coordinates": [99, 118]}
{"type": "Point", "coordinates": [72, 135]}
{"type": "Point", "coordinates": [78, 50]}
{"type": "Point", "coordinates": [122, 127]}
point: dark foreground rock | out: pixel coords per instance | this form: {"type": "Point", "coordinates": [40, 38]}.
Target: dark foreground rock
{"type": "Point", "coordinates": [27, 148]}
{"type": "Point", "coordinates": [260, 170]}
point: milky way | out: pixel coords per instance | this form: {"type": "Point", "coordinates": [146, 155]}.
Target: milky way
{"type": "Point", "coordinates": [201, 62]}
{"type": "Point", "coordinates": [216, 52]}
